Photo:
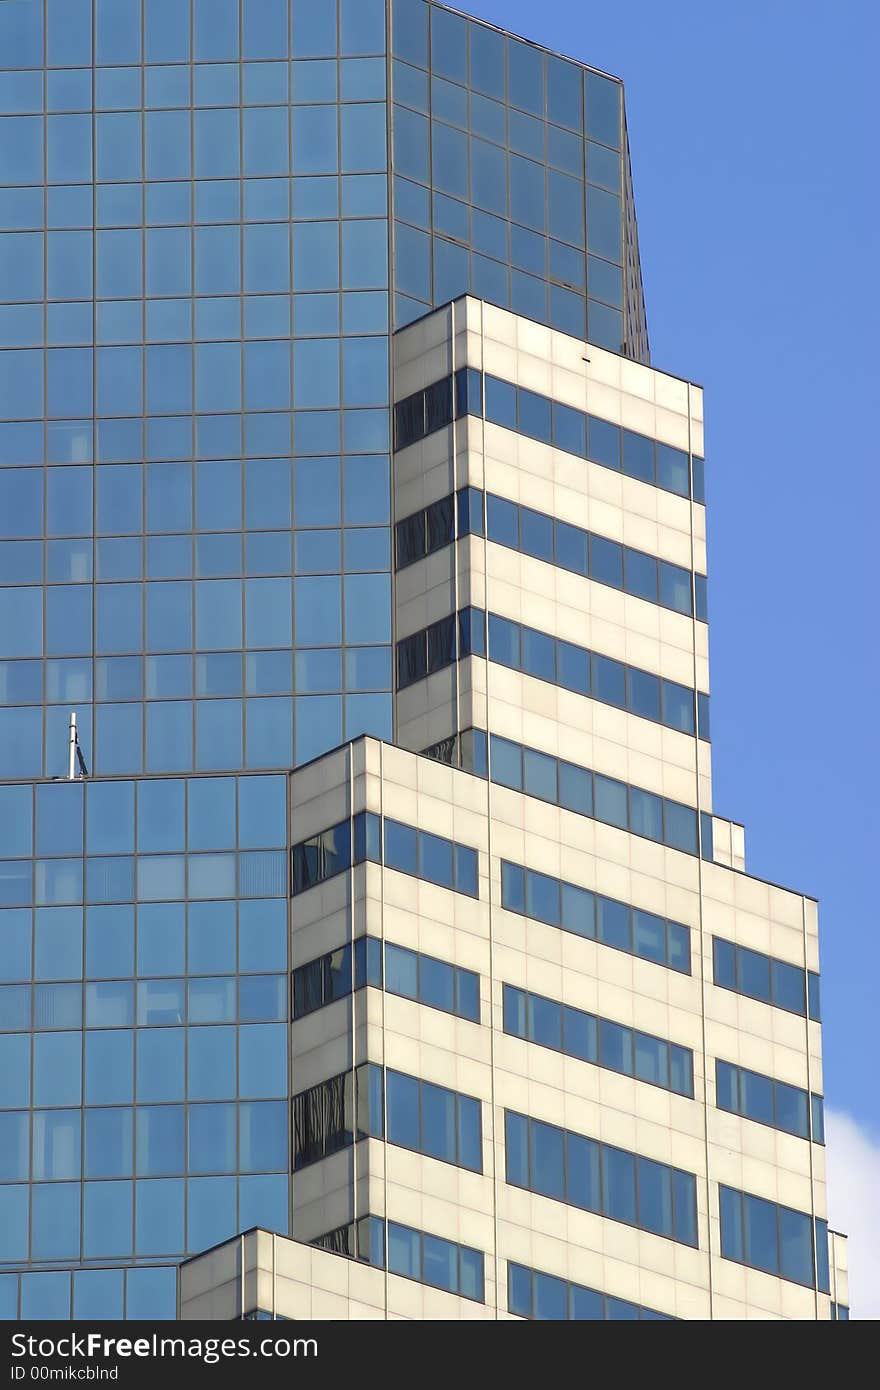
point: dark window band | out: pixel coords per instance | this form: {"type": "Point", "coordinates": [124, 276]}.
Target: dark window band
{"type": "Point", "coordinates": [591, 915]}
{"type": "Point", "coordinates": [377, 1103]}
{"type": "Point", "coordinates": [472, 392]}
{"type": "Point", "coordinates": [598, 1040]}
{"type": "Point", "coordinates": [773, 1238]}
{"type": "Point", "coordinates": [556, 542]}
{"type": "Point", "coordinates": [409, 974]}
{"type": "Point", "coordinates": [554, 660]}
{"type": "Point", "coordinates": [767, 979]}
{"type": "Point", "coordinates": [531, 1294]}
{"type": "Point", "coordinates": [598, 1177]}
{"type": "Point", "coordinates": [411, 851]}
{"type": "Point", "coordinates": [428, 1259]}
{"type": "Point", "coordinates": [769, 1102]}
{"type": "Point", "coordinates": [578, 789]}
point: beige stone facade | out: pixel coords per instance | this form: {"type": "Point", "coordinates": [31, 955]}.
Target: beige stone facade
{"type": "Point", "coordinates": [711, 898]}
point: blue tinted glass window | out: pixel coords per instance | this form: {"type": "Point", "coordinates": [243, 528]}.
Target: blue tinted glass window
{"type": "Point", "coordinates": [575, 789]}
{"type": "Point", "coordinates": [724, 963]}
{"type": "Point", "coordinates": [756, 1095]}
{"type": "Point", "coordinates": [546, 1159]}
{"type": "Point", "coordinates": [615, 1046]}
{"type": "Point", "coordinates": [571, 548]}
{"type": "Point", "coordinates": [610, 799]}
{"type": "Point", "coordinates": [438, 1123]}
{"type": "Point", "coordinates": [608, 679]}
{"type": "Point", "coordinates": [787, 986]}
{"type": "Point", "coordinates": [500, 402]}
{"type": "Point", "coordinates": [655, 1197]}
{"type": "Point", "coordinates": [760, 1234]}
{"type": "Point", "coordinates": [403, 1110]}
{"type": "Point", "coordinates": [753, 973]}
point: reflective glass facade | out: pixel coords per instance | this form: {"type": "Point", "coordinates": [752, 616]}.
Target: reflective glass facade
{"type": "Point", "coordinates": [143, 1033]}
{"type": "Point", "coordinates": [511, 180]}
{"type": "Point", "coordinates": [213, 213]}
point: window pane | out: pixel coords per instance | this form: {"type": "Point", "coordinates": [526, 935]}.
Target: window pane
{"type": "Point", "coordinates": [583, 1172]}
{"type": "Point", "coordinates": [545, 1022]}
{"type": "Point", "coordinates": [551, 1298]}
{"type": "Point", "coordinates": [761, 1249]}
{"type": "Point", "coordinates": [684, 1201]}
{"type": "Point", "coordinates": [580, 1032]}
{"type": "Point", "coordinates": [470, 1133]}
{"type": "Point", "coordinates": [795, 1246]}
{"type": "Point", "coordinates": [613, 923]}
{"type": "Point", "coordinates": [542, 897]}
{"type": "Point", "coordinates": [619, 1184]}
{"type": "Point", "coordinates": [440, 1267]}
{"type": "Point", "coordinates": [579, 912]}
{"type": "Point", "coordinates": [435, 859]}
{"type": "Point", "coordinates": [652, 1059]}
{"type": "Point", "coordinates": [547, 1163]}
{"type": "Point", "coordinates": [437, 984]}
{"type": "Point", "coordinates": [401, 971]}
{"type": "Point", "coordinates": [401, 847]}
{"type": "Point", "coordinates": [724, 972]}
{"type": "Point", "coordinates": [788, 986]}
{"type": "Point", "coordinates": [649, 932]}
{"type": "Point", "coordinates": [731, 1223]}
{"type": "Point", "coordinates": [655, 1197]}
{"type": "Point", "coordinates": [757, 1097]}
{"type": "Point", "coordinates": [753, 971]}
{"type": "Point", "coordinates": [615, 1046]}
{"type": "Point", "coordinates": [727, 1087]}
{"type": "Point", "coordinates": [403, 1110]}
{"type": "Point", "coordinates": [467, 994]}
{"type": "Point", "coordinates": [791, 1109]}
{"type": "Point", "coordinates": [438, 1122]}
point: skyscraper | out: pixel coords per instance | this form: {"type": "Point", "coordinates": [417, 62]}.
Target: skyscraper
{"type": "Point", "coordinates": [326, 423]}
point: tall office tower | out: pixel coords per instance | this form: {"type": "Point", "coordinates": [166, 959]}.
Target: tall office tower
{"type": "Point", "coordinates": [328, 442]}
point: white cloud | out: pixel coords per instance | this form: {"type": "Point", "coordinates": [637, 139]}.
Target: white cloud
{"type": "Point", "coordinates": [853, 1161]}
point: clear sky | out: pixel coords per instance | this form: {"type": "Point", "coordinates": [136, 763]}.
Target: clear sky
{"type": "Point", "coordinates": [754, 132]}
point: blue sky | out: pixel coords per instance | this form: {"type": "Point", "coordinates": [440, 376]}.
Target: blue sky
{"type": "Point", "coordinates": [753, 130]}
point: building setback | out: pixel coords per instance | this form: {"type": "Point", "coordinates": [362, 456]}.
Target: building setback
{"type": "Point", "coordinates": [329, 442]}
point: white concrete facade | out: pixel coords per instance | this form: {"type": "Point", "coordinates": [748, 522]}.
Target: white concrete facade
{"type": "Point", "coordinates": [482, 1210]}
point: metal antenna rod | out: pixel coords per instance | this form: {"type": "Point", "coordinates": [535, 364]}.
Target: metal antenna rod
{"type": "Point", "coordinates": [72, 749]}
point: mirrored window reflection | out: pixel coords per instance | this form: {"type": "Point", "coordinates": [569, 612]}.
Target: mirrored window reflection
{"type": "Point", "coordinates": [597, 1040]}
{"type": "Point", "coordinates": [774, 1238]}
{"type": "Point", "coordinates": [524, 165]}
{"type": "Point", "coordinates": [534, 1294]}
{"type": "Point", "coordinates": [600, 1178]}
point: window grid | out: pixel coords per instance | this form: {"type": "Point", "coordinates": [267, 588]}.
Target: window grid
{"type": "Point", "coordinates": [556, 542]}
{"type": "Point", "coordinates": [390, 1105]}
{"type": "Point", "coordinates": [554, 660]}
{"type": "Point", "coordinates": [411, 851]}
{"type": "Point", "coordinates": [533, 1294]}
{"type": "Point", "coordinates": [99, 1292]}
{"type": "Point", "coordinates": [765, 978]}
{"type": "Point", "coordinates": [550, 422]}
{"type": "Point", "coordinates": [595, 917]}
{"type": "Point", "coordinates": [773, 1238]}
{"type": "Point", "coordinates": [576, 789]}
{"type": "Point", "coordinates": [328, 978]}
{"type": "Point", "coordinates": [614, 1183]}
{"type": "Point", "coordinates": [174, 293]}
{"type": "Point", "coordinates": [454, 76]}
{"type": "Point", "coordinates": [411, 1253]}
{"type": "Point", "coordinates": [769, 1102]}
{"type": "Point", "coordinates": [148, 1043]}
{"type": "Point", "coordinates": [409, 1119]}
{"type": "Point", "coordinates": [601, 1041]}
